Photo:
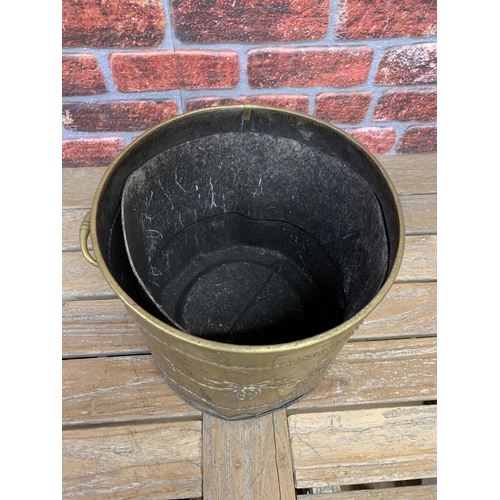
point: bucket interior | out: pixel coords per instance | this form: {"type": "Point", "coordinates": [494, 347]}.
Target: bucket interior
{"type": "Point", "coordinates": [263, 232]}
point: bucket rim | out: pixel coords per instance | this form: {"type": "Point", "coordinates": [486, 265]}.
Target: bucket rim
{"type": "Point", "coordinates": [200, 342]}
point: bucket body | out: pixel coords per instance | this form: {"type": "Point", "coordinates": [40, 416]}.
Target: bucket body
{"type": "Point", "coordinates": [248, 243]}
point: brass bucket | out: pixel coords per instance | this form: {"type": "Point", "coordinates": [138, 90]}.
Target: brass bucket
{"type": "Point", "coordinates": [331, 214]}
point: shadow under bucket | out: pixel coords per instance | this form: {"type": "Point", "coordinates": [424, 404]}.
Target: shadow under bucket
{"type": "Point", "coordinates": [248, 243]}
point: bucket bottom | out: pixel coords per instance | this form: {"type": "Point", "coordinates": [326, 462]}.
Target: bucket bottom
{"type": "Point", "coordinates": [233, 279]}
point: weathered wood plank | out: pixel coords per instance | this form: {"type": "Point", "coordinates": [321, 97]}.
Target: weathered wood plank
{"type": "Point", "coordinates": [283, 455]}
{"type": "Point", "coordinates": [71, 220]}
{"type": "Point", "coordinates": [79, 185]}
{"type": "Point", "coordinates": [104, 327]}
{"type": "Point", "coordinates": [363, 446]}
{"type": "Point", "coordinates": [81, 280]}
{"type": "Point", "coordinates": [118, 389]}
{"type": "Point", "coordinates": [419, 213]}
{"type": "Point", "coordinates": [84, 281]}
{"type": "Point", "coordinates": [408, 310]}
{"type": "Point", "coordinates": [409, 173]}
{"type": "Point", "coordinates": [376, 372]}
{"type": "Point", "coordinates": [412, 173]}
{"type": "Point", "coordinates": [247, 459]}
{"type": "Point", "coordinates": [99, 328]}
{"type": "Point", "coordinates": [420, 259]}
{"type": "Point", "coordinates": [426, 492]}
{"type": "Point", "coordinates": [128, 462]}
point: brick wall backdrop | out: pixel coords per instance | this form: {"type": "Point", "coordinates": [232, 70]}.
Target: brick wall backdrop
{"type": "Point", "coordinates": [367, 66]}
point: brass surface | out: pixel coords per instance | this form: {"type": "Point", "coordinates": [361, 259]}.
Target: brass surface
{"type": "Point", "coordinates": [84, 236]}
{"type": "Point", "coordinates": [239, 381]}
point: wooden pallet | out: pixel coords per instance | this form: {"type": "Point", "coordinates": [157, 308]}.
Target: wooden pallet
{"type": "Point", "coordinates": [368, 429]}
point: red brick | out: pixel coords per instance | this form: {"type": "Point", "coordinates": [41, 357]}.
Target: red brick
{"type": "Point", "coordinates": [293, 102]}
{"type": "Point", "coordinates": [378, 140]}
{"type": "Point", "coordinates": [112, 23]}
{"type": "Point", "coordinates": [81, 75]}
{"type": "Point", "coordinates": [408, 65]}
{"type": "Point", "coordinates": [139, 71]}
{"type": "Point", "coordinates": [407, 105]}
{"type": "Point", "coordinates": [202, 21]}
{"type": "Point", "coordinates": [358, 19]}
{"type": "Point", "coordinates": [117, 115]}
{"type": "Point", "coordinates": [166, 70]}
{"type": "Point", "coordinates": [344, 107]}
{"type": "Point", "coordinates": [307, 67]}
{"type": "Point", "coordinates": [97, 152]}
{"type": "Point", "coordinates": [418, 139]}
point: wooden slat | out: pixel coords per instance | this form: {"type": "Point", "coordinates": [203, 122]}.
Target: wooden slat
{"type": "Point", "coordinates": [409, 173]}
{"type": "Point", "coordinates": [420, 259]}
{"type": "Point", "coordinates": [247, 459]}
{"type": "Point", "coordinates": [104, 327]}
{"type": "Point", "coordinates": [118, 389]}
{"type": "Point", "coordinates": [419, 213]}
{"type": "Point", "coordinates": [71, 220]}
{"type": "Point", "coordinates": [79, 185]}
{"type": "Point", "coordinates": [99, 328]}
{"type": "Point", "coordinates": [408, 310]}
{"type": "Point", "coordinates": [376, 372]}
{"type": "Point", "coordinates": [363, 446]}
{"type": "Point", "coordinates": [427, 492]}
{"type": "Point", "coordinates": [283, 456]}
{"type": "Point", "coordinates": [81, 280]}
{"type": "Point", "coordinates": [159, 461]}
{"type": "Point", "coordinates": [412, 173]}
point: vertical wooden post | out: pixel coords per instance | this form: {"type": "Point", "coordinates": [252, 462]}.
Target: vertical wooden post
{"type": "Point", "coordinates": [247, 459]}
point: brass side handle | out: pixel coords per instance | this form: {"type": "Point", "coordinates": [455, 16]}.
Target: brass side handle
{"type": "Point", "coordinates": [84, 236]}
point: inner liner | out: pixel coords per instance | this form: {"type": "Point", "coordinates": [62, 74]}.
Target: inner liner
{"type": "Point", "coordinates": [251, 238]}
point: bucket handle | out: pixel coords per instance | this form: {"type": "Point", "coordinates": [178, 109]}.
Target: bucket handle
{"type": "Point", "coordinates": [84, 236]}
